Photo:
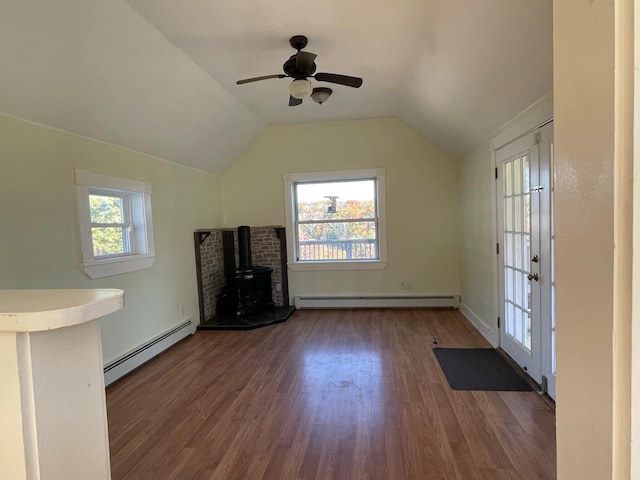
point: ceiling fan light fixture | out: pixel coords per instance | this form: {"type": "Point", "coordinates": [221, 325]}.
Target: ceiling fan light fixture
{"type": "Point", "coordinates": [300, 88]}
{"type": "Point", "coordinates": [321, 94]}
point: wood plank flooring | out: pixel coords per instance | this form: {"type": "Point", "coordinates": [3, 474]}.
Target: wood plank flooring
{"type": "Point", "coordinates": [330, 394]}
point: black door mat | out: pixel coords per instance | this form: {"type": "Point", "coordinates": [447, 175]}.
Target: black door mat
{"type": "Point", "coordinates": [479, 369]}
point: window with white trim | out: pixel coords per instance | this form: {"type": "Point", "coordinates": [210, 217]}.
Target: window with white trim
{"type": "Point", "coordinates": [335, 220]}
{"type": "Point", "coordinates": [116, 230]}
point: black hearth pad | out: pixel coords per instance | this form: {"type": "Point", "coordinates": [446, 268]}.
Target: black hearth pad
{"type": "Point", "coordinates": [248, 322]}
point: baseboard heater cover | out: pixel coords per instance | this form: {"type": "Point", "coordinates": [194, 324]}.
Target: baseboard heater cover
{"type": "Point", "coordinates": [429, 301]}
{"type": "Point", "coordinates": [145, 352]}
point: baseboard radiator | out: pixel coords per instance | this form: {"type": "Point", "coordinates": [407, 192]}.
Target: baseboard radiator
{"type": "Point", "coordinates": [145, 352]}
{"type": "Point", "coordinates": [430, 301]}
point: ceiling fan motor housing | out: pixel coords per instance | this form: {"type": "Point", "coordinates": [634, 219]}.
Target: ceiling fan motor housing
{"type": "Point", "coordinates": [290, 69]}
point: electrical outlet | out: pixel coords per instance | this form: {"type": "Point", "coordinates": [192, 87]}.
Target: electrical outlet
{"type": "Point", "coordinates": [181, 311]}
{"type": "Point", "coordinates": [406, 285]}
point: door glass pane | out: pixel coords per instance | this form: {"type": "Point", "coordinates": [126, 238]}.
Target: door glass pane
{"type": "Point", "coordinates": [510, 320]}
{"type": "Point", "coordinates": [518, 289]}
{"type": "Point", "coordinates": [508, 179]}
{"type": "Point", "coordinates": [526, 200]}
{"type": "Point", "coordinates": [517, 335]}
{"type": "Point", "coordinates": [516, 206]}
{"type": "Point", "coordinates": [517, 176]}
{"type": "Point", "coordinates": [517, 210]}
{"type": "Point", "coordinates": [525, 173]}
{"type": "Point", "coordinates": [508, 214]}
{"type": "Point", "coordinates": [508, 250]}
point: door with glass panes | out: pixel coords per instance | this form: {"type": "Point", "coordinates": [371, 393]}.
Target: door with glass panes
{"type": "Point", "coordinates": [524, 193]}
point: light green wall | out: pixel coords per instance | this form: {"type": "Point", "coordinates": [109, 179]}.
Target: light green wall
{"type": "Point", "coordinates": [39, 243]}
{"type": "Point", "coordinates": [477, 250]}
{"type": "Point", "coordinates": [422, 199]}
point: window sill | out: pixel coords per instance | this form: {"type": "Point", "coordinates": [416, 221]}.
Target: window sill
{"type": "Point", "coordinates": [117, 266]}
{"type": "Point", "coordinates": [362, 265]}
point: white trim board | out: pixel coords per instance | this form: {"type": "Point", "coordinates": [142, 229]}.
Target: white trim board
{"type": "Point", "coordinates": [145, 352]}
{"type": "Point", "coordinates": [431, 301]}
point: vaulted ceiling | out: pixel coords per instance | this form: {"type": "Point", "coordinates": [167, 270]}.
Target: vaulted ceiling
{"type": "Point", "coordinates": [158, 76]}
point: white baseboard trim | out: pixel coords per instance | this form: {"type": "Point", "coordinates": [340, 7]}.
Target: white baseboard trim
{"type": "Point", "coordinates": [485, 330]}
{"type": "Point", "coordinates": [432, 301]}
{"type": "Point", "coordinates": [145, 352]}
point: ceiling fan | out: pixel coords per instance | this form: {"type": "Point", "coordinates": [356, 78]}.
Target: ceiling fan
{"type": "Point", "coordinates": [301, 67]}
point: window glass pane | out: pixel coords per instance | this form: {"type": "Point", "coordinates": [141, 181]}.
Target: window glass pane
{"type": "Point", "coordinates": [106, 209]}
{"type": "Point", "coordinates": [337, 241]}
{"type": "Point", "coordinates": [109, 241]}
{"type": "Point", "coordinates": [336, 200]}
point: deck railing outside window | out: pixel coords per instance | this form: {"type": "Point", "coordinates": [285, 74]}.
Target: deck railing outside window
{"type": "Point", "coordinates": [361, 249]}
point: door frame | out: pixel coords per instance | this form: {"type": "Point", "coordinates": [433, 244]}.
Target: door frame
{"type": "Point", "coordinates": [529, 359]}
{"type": "Point", "coordinates": [533, 118]}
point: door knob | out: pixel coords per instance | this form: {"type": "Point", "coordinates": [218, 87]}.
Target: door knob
{"type": "Point", "coordinates": [535, 259]}
{"type": "Point", "coordinates": [533, 276]}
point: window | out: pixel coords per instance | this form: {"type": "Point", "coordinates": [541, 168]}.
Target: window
{"type": "Point", "coordinates": [335, 220]}
{"type": "Point", "coordinates": [116, 231]}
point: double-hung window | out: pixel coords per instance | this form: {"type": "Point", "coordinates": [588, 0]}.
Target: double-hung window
{"type": "Point", "coordinates": [335, 220]}
{"type": "Point", "coordinates": [111, 223]}
{"type": "Point", "coordinates": [116, 231]}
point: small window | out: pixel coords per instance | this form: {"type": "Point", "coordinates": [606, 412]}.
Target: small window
{"type": "Point", "coordinates": [336, 220]}
{"type": "Point", "coordinates": [116, 232]}
{"type": "Point", "coordinates": [111, 225]}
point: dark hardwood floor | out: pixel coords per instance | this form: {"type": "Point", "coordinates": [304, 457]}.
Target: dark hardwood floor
{"type": "Point", "coordinates": [330, 394]}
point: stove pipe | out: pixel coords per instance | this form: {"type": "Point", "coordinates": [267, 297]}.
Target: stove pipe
{"type": "Point", "coordinates": [244, 247]}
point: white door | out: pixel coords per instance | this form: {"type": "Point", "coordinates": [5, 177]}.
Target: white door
{"type": "Point", "coordinates": [525, 266]}
{"type": "Point", "coordinates": [547, 262]}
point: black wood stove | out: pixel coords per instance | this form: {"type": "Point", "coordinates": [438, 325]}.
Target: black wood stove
{"type": "Point", "coordinates": [248, 290]}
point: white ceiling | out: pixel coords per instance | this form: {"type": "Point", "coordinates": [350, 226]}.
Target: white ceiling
{"type": "Point", "coordinates": [159, 76]}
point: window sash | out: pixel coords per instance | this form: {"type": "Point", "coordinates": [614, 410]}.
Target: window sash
{"type": "Point", "coordinates": [339, 220]}
{"type": "Point", "coordinates": [298, 222]}
{"type": "Point", "coordinates": [126, 225]}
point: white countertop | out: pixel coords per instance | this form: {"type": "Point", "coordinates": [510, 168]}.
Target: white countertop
{"type": "Point", "coordinates": [38, 310]}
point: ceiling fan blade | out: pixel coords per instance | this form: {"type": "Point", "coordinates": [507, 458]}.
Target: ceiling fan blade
{"type": "Point", "coordinates": [304, 62]}
{"type": "Point", "coordinates": [255, 79]}
{"type": "Point", "coordinates": [354, 82]}
{"type": "Point", "coordinates": [293, 101]}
